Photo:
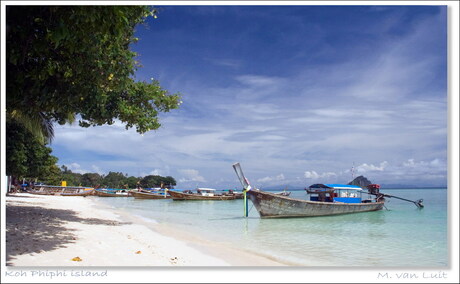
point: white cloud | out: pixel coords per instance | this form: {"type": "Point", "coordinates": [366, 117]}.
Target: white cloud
{"type": "Point", "coordinates": [367, 168]}
{"type": "Point", "coordinates": [277, 178]}
{"type": "Point", "coordinates": [191, 175]}
{"type": "Point", "coordinates": [369, 107]}
{"type": "Point", "coordinates": [315, 175]}
{"type": "Point", "coordinates": [258, 80]}
{"type": "Point", "coordinates": [76, 168]}
{"type": "Point", "coordinates": [435, 164]}
{"type": "Point", "coordinates": [156, 172]}
{"type": "Point", "coordinates": [96, 169]}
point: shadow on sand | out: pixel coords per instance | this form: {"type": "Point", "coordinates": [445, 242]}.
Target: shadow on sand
{"type": "Point", "coordinates": [35, 229]}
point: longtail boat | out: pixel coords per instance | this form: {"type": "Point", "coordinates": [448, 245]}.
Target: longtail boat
{"type": "Point", "coordinates": [81, 192]}
{"type": "Point", "coordinates": [107, 192]}
{"type": "Point", "coordinates": [149, 195]}
{"type": "Point", "coordinates": [200, 194]}
{"type": "Point", "coordinates": [270, 205]}
{"type": "Point", "coordinates": [237, 194]}
{"type": "Point", "coordinates": [60, 190]}
{"type": "Point", "coordinates": [283, 193]}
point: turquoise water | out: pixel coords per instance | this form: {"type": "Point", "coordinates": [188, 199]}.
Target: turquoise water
{"type": "Point", "coordinates": [399, 236]}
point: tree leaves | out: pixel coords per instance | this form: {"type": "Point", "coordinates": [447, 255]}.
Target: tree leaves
{"type": "Point", "coordinates": [76, 59]}
{"type": "Point", "coordinates": [69, 60]}
{"type": "Point", "coordinates": [26, 156]}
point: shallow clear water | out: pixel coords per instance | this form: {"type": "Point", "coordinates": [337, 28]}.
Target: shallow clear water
{"type": "Point", "coordinates": [403, 235]}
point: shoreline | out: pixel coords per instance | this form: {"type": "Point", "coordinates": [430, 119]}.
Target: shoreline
{"type": "Point", "coordinates": [78, 231]}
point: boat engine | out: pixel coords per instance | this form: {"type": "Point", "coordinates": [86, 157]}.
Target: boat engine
{"type": "Point", "coordinates": [373, 188]}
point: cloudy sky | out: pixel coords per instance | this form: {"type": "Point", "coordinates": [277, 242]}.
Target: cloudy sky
{"type": "Point", "coordinates": [296, 94]}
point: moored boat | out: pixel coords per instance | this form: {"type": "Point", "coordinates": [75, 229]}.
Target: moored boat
{"type": "Point", "coordinates": [231, 192]}
{"type": "Point", "coordinates": [111, 192]}
{"type": "Point", "coordinates": [283, 193]}
{"type": "Point", "coordinates": [59, 190]}
{"type": "Point", "coordinates": [149, 195]}
{"type": "Point", "coordinates": [270, 205]}
{"type": "Point", "coordinates": [200, 194]}
{"type": "Point", "coordinates": [81, 192]}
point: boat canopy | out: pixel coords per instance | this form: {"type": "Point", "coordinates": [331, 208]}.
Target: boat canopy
{"type": "Point", "coordinates": [206, 189]}
{"type": "Point", "coordinates": [336, 186]}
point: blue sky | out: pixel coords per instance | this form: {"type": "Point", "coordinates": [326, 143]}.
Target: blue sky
{"type": "Point", "coordinates": [297, 94]}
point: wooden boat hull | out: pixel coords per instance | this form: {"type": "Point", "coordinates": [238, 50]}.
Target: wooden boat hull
{"type": "Point", "coordinates": [238, 195]}
{"type": "Point", "coordinates": [82, 193]}
{"type": "Point", "coordinates": [42, 192]}
{"type": "Point", "coordinates": [62, 190]}
{"type": "Point", "coordinates": [107, 194]}
{"type": "Point", "coordinates": [149, 195]}
{"type": "Point", "coordinates": [190, 196]}
{"type": "Point", "coordinates": [270, 205]}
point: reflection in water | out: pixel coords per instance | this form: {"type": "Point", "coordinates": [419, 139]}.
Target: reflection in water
{"type": "Point", "coordinates": [324, 239]}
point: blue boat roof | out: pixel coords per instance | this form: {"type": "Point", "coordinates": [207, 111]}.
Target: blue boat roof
{"type": "Point", "coordinates": [335, 186]}
{"type": "Point", "coordinates": [343, 186]}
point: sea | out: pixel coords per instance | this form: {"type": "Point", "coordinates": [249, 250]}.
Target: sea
{"type": "Point", "coordinates": [400, 235]}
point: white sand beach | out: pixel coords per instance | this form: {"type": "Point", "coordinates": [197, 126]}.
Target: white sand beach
{"type": "Point", "coordinates": [62, 238]}
{"type": "Point", "coordinates": [78, 231]}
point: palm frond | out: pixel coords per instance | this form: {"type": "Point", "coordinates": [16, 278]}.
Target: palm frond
{"type": "Point", "coordinates": [37, 123]}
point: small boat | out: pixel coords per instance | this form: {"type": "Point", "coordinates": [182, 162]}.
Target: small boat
{"type": "Point", "coordinates": [59, 190]}
{"type": "Point", "coordinates": [283, 193]}
{"type": "Point", "coordinates": [238, 195]}
{"type": "Point", "coordinates": [324, 200]}
{"type": "Point", "coordinates": [200, 194]}
{"type": "Point", "coordinates": [109, 192]}
{"type": "Point", "coordinates": [143, 194]}
{"type": "Point", "coordinates": [81, 192]}
{"type": "Point", "coordinates": [230, 192]}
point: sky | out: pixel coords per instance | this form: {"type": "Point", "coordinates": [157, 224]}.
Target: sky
{"type": "Point", "coordinates": [297, 94]}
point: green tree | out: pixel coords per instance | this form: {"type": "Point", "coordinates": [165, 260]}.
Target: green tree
{"type": "Point", "coordinates": [169, 180]}
{"type": "Point", "coordinates": [64, 61]}
{"type": "Point", "coordinates": [132, 181]}
{"type": "Point", "coordinates": [150, 181]}
{"type": "Point", "coordinates": [91, 179]}
{"type": "Point", "coordinates": [72, 179]}
{"type": "Point", "coordinates": [53, 177]}
{"type": "Point", "coordinates": [157, 181]}
{"type": "Point", "coordinates": [26, 157]}
{"type": "Point", "coordinates": [115, 180]}
{"type": "Point", "coordinates": [68, 62]}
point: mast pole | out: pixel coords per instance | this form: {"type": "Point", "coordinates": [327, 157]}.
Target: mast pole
{"type": "Point", "coordinates": [245, 203]}
{"type": "Point", "coordinates": [353, 171]}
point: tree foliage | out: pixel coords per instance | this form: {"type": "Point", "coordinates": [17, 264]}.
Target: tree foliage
{"type": "Point", "coordinates": [27, 157]}
{"type": "Point", "coordinates": [112, 180]}
{"type": "Point", "coordinates": [70, 177]}
{"type": "Point", "coordinates": [115, 180]}
{"type": "Point", "coordinates": [132, 182]}
{"type": "Point", "coordinates": [67, 60]}
{"type": "Point", "coordinates": [91, 179]}
{"type": "Point", "coordinates": [157, 181]}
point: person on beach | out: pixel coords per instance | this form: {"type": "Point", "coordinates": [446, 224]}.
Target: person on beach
{"type": "Point", "coordinates": [14, 185]}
